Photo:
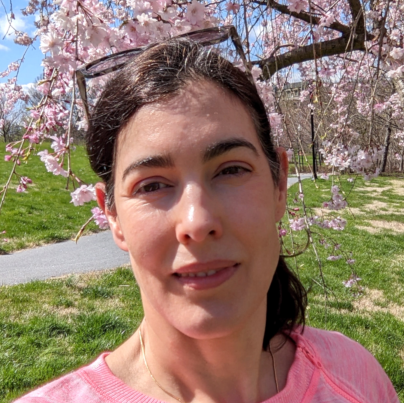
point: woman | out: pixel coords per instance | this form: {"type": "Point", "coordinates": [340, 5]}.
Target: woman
{"type": "Point", "coordinates": [193, 188]}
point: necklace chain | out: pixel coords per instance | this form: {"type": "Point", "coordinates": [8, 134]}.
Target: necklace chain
{"type": "Point", "coordinates": [177, 398]}
{"type": "Point", "coordinates": [148, 369]}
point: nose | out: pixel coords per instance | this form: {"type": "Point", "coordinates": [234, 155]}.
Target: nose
{"type": "Point", "coordinates": [198, 216]}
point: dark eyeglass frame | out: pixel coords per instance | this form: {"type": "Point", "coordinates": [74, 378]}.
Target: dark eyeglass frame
{"type": "Point", "coordinates": [223, 34]}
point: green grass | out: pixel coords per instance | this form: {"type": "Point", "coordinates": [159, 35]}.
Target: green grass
{"type": "Point", "coordinates": [44, 213]}
{"type": "Point", "coordinates": [372, 314]}
{"type": "Point", "coordinates": [51, 327]}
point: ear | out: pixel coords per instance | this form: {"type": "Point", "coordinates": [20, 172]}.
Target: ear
{"type": "Point", "coordinates": [282, 189]}
{"type": "Point", "coordinates": [111, 215]}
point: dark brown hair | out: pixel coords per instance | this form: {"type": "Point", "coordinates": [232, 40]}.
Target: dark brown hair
{"type": "Point", "coordinates": [158, 74]}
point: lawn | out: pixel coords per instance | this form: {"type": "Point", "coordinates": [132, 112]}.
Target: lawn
{"type": "Point", "coordinates": [51, 327]}
{"type": "Point", "coordinates": [374, 313]}
{"type": "Point", "coordinates": [44, 213]}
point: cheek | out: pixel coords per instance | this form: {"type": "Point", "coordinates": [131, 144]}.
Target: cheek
{"type": "Point", "coordinates": [148, 236]}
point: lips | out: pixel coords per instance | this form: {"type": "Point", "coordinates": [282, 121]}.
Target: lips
{"type": "Point", "coordinates": [206, 275]}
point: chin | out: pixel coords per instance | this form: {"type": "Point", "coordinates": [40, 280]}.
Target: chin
{"type": "Point", "coordinates": [210, 321]}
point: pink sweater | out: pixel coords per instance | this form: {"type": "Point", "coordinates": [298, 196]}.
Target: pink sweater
{"type": "Point", "coordinates": [328, 368]}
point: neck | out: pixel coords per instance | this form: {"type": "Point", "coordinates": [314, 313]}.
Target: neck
{"type": "Point", "coordinates": [230, 367]}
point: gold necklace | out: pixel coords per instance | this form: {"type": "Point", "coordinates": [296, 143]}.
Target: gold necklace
{"type": "Point", "coordinates": [177, 398]}
{"type": "Point", "coordinates": [274, 368]}
{"type": "Point", "coordinates": [152, 377]}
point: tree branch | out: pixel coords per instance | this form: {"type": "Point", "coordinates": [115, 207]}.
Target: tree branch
{"type": "Point", "coordinates": [357, 16]}
{"type": "Point", "coordinates": [303, 16]}
{"type": "Point", "coordinates": [332, 47]}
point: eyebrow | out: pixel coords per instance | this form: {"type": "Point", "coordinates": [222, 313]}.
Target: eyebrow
{"type": "Point", "coordinates": [155, 161]}
{"type": "Point", "coordinates": [212, 151]}
{"type": "Point", "coordinates": [224, 146]}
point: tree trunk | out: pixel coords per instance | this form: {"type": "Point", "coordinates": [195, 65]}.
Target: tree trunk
{"type": "Point", "coordinates": [386, 147]}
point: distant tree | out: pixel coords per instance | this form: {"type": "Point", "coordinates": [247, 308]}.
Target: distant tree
{"type": "Point", "coordinates": [10, 120]}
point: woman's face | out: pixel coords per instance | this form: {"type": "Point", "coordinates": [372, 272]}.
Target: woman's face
{"type": "Point", "coordinates": [196, 208]}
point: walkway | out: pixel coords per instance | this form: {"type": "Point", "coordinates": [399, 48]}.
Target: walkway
{"type": "Point", "coordinates": [91, 253]}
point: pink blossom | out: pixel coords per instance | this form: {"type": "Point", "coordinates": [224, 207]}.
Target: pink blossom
{"type": "Point", "coordinates": [25, 180]}
{"type": "Point", "coordinates": [350, 261]}
{"type": "Point", "coordinates": [99, 218]}
{"type": "Point", "coordinates": [282, 232]}
{"type": "Point", "coordinates": [34, 138]}
{"type": "Point", "coordinates": [379, 107]}
{"type": "Point", "coordinates": [256, 72]}
{"type": "Point", "coordinates": [58, 145]}
{"type": "Point", "coordinates": [23, 39]}
{"type": "Point", "coordinates": [146, 24]}
{"type": "Point", "coordinates": [21, 189]}
{"type": "Point", "coordinates": [297, 5]}
{"type": "Point", "coordinates": [51, 42]}
{"type": "Point", "coordinates": [297, 224]}
{"type": "Point", "coordinates": [52, 164]}
{"type": "Point", "coordinates": [327, 19]}
{"type": "Point", "coordinates": [324, 176]}
{"type": "Point", "coordinates": [195, 12]}
{"type": "Point", "coordinates": [234, 7]}
{"type": "Point", "coordinates": [290, 154]}
{"type": "Point", "coordinates": [333, 258]}
{"type": "Point", "coordinates": [275, 120]}
{"type": "Point", "coordinates": [337, 201]}
{"type": "Point", "coordinates": [397, 53]}
{"type": "Point", "coordinates": [83, 195]}
{"type": "Point", "coordinates": [7, 158]}
{"type": "Point", "coordinates": [337, 224]}
{"type": "Point", "coordinates": [353, 279]}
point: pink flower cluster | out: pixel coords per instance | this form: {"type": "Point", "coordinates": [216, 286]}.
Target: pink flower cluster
{"type": "Point", "coordinates": [353, 280]}
{"type": "Point", "coordinates": [337, 201]}
{"type": "Point", "coordinates": [99, 218]}
{"type": "Point", "coordinates": [83, 194]}
{"type": "Point", "coordinates": [297, 224]}
{"type": "Point", "coordinates": [337, 224]}
{"type": "Point", "coordinates": [52, 164]}
{"type": "Point", "coordinates": [24, 181]}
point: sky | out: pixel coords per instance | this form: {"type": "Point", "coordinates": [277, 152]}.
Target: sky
{"type": "Point", "coordinates": [10, 52]}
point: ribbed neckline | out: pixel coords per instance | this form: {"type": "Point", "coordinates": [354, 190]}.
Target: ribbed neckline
{"type": "Point", "coordinates": [301, 378]}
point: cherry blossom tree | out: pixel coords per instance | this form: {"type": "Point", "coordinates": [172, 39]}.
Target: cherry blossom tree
{"type": "Point", "coordinates": [345, 53]}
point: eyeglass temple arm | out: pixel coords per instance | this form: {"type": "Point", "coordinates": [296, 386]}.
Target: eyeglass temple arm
{"type": "Point", "coordinates": [81, 83]}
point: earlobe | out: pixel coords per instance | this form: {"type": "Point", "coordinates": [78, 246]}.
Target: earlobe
{"type": "Point", "coordinates": [282, 183]}
{"type": "Point", "coordinates": [111, 215]}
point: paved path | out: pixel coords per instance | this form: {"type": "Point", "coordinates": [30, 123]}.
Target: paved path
{"type": "Point", "coordinates": [92, 252]}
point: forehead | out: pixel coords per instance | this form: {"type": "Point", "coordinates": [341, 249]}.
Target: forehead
{"type": "Point", "coordinates": [201, 111]}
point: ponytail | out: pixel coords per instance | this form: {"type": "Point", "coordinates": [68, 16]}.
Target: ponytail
{"type": "Point", "coordinates": [286, 303]}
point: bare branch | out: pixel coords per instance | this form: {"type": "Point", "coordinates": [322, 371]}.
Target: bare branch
{"type": "Point", "coordinates": [301, 54]}
{"type": "Point", "coordinates": [306, 17]}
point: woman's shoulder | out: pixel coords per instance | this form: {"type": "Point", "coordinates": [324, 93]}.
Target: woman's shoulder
{"type": "Point", "coordinates": [73, 387]}
{"type": "Point", "coordinates": [346, 363]}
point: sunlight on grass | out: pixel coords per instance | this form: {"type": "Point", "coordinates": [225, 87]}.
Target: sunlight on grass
{"type": "Point", "coordinates": [44, 213]}
{"type": "Point", "coordinates": [373, 314]}
{"type": "Point", "coordinates": [51, 327]}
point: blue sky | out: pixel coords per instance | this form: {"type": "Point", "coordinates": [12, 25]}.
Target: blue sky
{"type": "Point", "coordinates": [10, 52]}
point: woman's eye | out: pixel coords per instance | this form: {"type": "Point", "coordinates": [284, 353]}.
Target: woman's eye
{"type": "Point", "coordinates": [234, 170]}
{"type": "Point", "coordinates": [151, 187]}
